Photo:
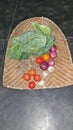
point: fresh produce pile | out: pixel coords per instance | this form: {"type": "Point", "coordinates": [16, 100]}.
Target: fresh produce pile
{"type": "Point", "coordinates": [38, 43]}
{"type": "Point", "coordinates": [47, 59]}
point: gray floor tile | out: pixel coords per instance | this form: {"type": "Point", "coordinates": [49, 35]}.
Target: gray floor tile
{"type": "Point", "coordinates": [7, 9]}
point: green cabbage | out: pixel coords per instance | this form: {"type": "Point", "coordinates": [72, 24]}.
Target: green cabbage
{"type": "Point", "coordinates": [34, 43]}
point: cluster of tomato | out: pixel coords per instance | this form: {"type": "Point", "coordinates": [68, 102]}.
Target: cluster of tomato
{"type": "Point", "coordinates": [31, 74]}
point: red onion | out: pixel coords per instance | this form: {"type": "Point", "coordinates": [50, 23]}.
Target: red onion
{"type": "Point", "coordinates": [53, 48]}
{"type": "Point", "coordinates": [51, 62]}
{"type": "Point", "coordinates": [44, 65]}
{"type": "Point", "coordinates": [53, 54]}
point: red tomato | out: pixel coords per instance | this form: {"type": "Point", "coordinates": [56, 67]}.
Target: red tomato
{"type": "Point", "coordinates": [32, 72]}
{"type": "Point", "coordinates": [31, 84]}
{"type": "Point", "coordinates": [39, 60]}
{"type": "Point", "coordinates": [37, 77]}
{"type": "Point", "coordinates": [26, 76]}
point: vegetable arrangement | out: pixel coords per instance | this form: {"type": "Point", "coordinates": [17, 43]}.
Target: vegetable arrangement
{"type": "Point", "coordinates": [38, 43]}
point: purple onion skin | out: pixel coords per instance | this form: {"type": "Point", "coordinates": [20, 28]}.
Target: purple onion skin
{"type": "Point", "coordinates": [51, 62]}
{"type": "Point", "coordinates": [44, 65]}
{"type": "Point", "coordinates": [53, 55]}
{"type": "Point", "coordinates": [53, 48]}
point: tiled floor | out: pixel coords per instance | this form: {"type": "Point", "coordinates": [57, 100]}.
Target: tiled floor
{"type": "Point", "coordinates": [14, 11]}
{"type": "Point", "coordinates": [39, 109]}
{"type": "Point", "coordinates": [59, 11]}
{"type": "Point", "coordinates": [7, 9]}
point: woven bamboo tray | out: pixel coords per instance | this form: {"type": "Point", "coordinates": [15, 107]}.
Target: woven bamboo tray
{"type": "Point", "coordinates": [63, 70]}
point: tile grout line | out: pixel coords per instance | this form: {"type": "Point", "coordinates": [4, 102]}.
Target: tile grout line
{"type": "Point", "coordinates": [12, 19]}
{"type": "Point", "coordinates": [69, 37]}
{"type": "Point", "coordinates": [3, 39]}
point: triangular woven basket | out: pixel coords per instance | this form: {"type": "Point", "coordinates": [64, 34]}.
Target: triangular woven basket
{"type": "Point", "coordinates": [63, 71]}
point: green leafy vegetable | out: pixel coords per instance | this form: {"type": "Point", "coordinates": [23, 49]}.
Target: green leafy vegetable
{"type": "Point", "coordinates": [43, 28]}
{"type": "Point", "coordinates": [34, 43]}
{"type": "Point", "coordinates": [15, 51]}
